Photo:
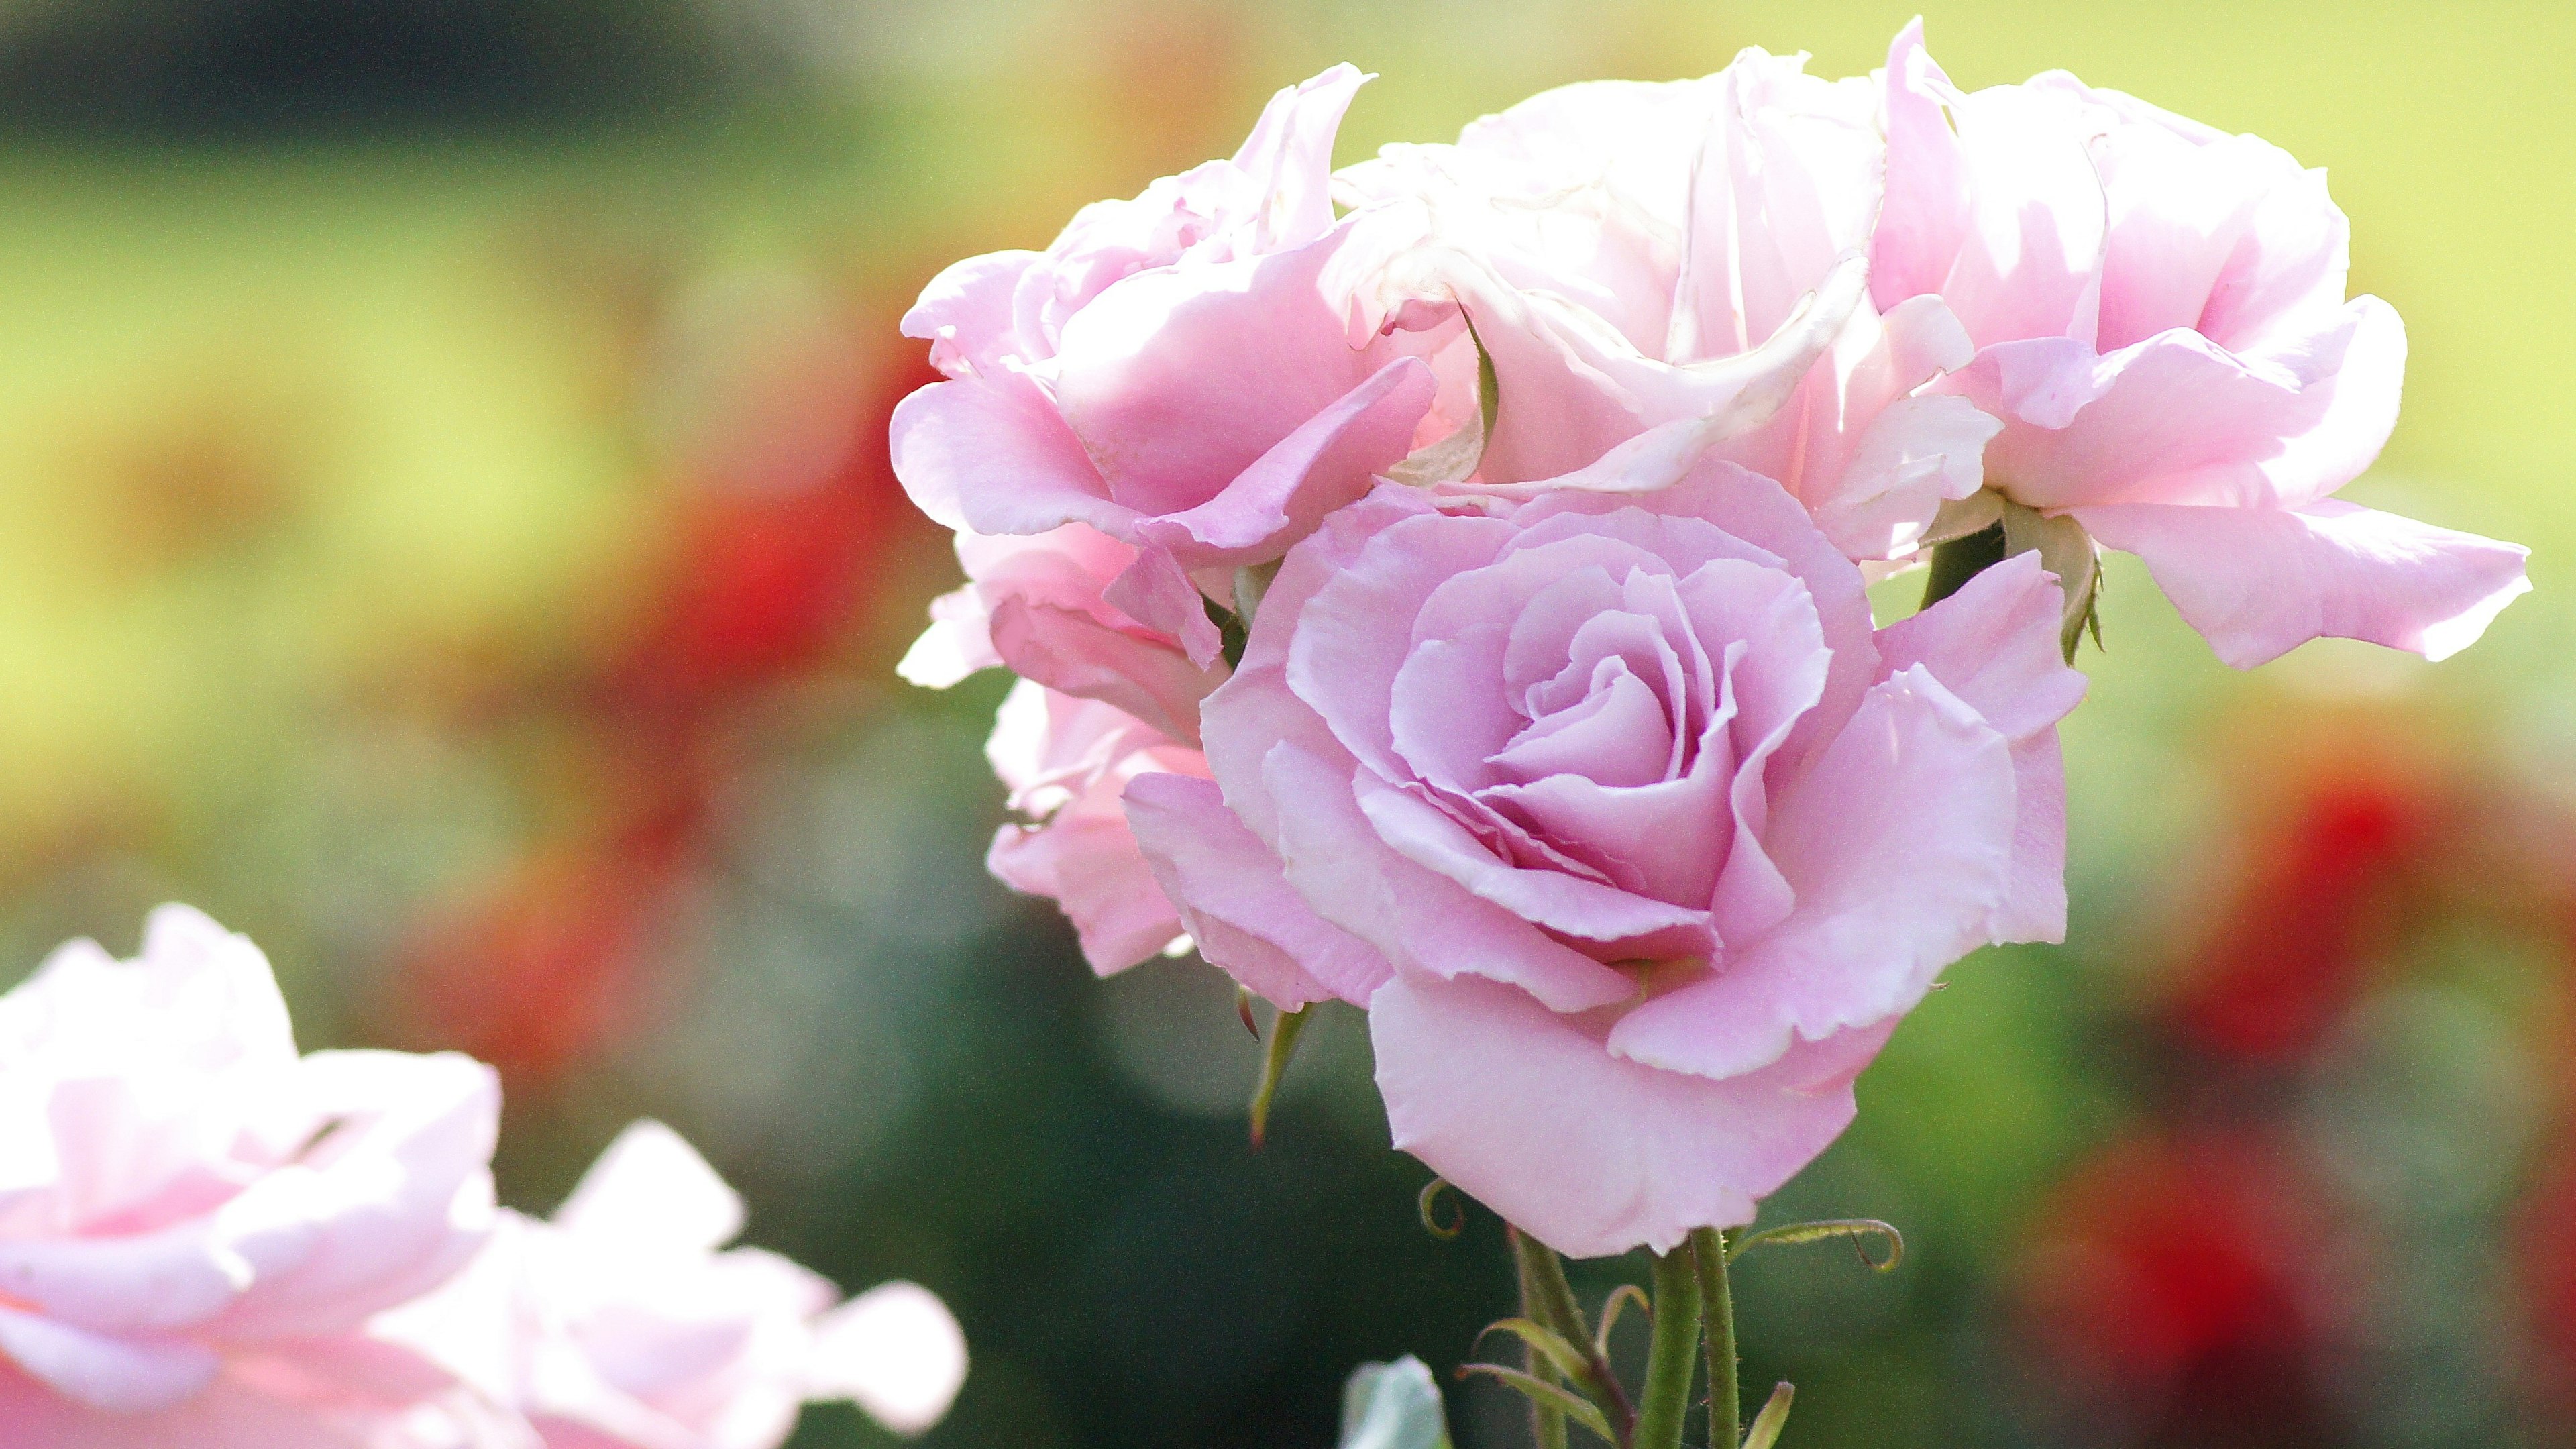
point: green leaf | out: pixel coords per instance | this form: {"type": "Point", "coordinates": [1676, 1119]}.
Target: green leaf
{"type": "Point", "coordinates": [1393, 1406]}
{"type": "Point", "coordinates": [1285, 1029]}
{"type": "Point", "coordinates": [1767, 1424]}
{"type": "Point", "coordinates": [1574, 1406]}
{"type": "Point", "coordinates": [1818, 1231]}
{"type": "Point", "coordinates": [1562, 1356]}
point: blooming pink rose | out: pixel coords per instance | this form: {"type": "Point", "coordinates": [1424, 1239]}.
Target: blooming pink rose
{"type": "Point", "coordinates": [619, 1325]}
{"type": "Point", "coordinates": [1633, 836]}
{"type": "Point", "coordinates": [2160, 320]}
{"type": "Point", "coordinates": [1171, 371]}
{"type": "Point", "coordinates": [196, 1223]}
{"type": "Point", "coordinates": [1688, 260]}
{"type": "Point", "coordinates": [1101, 699]}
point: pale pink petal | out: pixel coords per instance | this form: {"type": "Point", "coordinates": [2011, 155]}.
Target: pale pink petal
{"type": "Point", "coordinates": [121, 1375]}
{"type": "Point", "coordinates": [1883, 904]}
{"type": "Point", "coordinates": [1157, 592]}
{"type": "Point", "coordinates": [2176, 419]}
{"type": "Point", "coordinates": [175, 1278]}
{"type": "Point", "coordinates": [2004, 216]}
{"type": "Point", "coordinates": [1237, 902]}
{"type": "Point", "coordinates": [965, 314]}
{"type": "Point", "coordinates": [652, 1191]}
{"type": "Point", "coordinates": [1090, 867]}
{"type": "Point", "coordinates": [1156, 380]}
{"type": "Point", "coordinates": [2258, 583]}
{"type": "Point", "coordinates": [1330, 460]}
{"type": "Point", "coordinates": [991, 454]}
{"type": "Point", "coordinates": [1073, 652]}
{"type": "Point", "coordinates": [896, 1350]}
{"type": "Point", "coordinates": [1289, 158]}
{"type": "Point", "coordinates": [381, 1210]}
{"type": "Point", "coordinates": [1566, 904]}
{"type": "Point", "coordinates": [1994, 644]}
{"type": "Point", "coordinates": [1591, 1154]}
{"type": "Point", "coordinates": [1413, 916]}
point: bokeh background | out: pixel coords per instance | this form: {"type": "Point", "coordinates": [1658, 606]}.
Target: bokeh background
{"type": "Point", "coordinates": [448, 536]}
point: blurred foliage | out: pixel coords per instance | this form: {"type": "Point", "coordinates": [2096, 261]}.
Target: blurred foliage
{"type": "Point", "coordinates": [451, 540]}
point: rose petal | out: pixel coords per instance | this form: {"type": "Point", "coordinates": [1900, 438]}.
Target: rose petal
{"type": "Point", "coordinates": [2260, 582]}
{"type": "Point", "coordinates": [1485, 1085]}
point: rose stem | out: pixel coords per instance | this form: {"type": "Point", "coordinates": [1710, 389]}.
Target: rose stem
{"type": "Point", "coordinates": [1717, 1304]}
{"type": "Point", "coordinates": [1675, 1353]}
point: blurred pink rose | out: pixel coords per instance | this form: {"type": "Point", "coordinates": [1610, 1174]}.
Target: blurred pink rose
{"type": "Point", "coordinates": [1170, 371]}
{"type": "Point", "coordinates": [196, 1224]}
{"type": "Point", "coordinates": [1633, 837]}
{"type": "Point", "coordinates": [619, 1324]}
{"type": "Point", "coordinates": [1686, 257]}
{"type": "Point", "coordinates": [1101, 699]}
{"type": "Point", "coordinates": [2160, 320]}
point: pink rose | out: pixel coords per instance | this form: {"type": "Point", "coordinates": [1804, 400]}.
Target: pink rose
{"type": "Point", "coordinates": [1171, 372]}
{"type": "Point", "coordinates": [1685, 260]}
{"type": "Point", "coordinates": [1632, 835]}
{"type": "Point", "coordinates": [196, 1223]}
{"type": "Point", "coordinates": [2160, 320]}
{"type": "Point", "coordinates": [1033, 604]}
{"type": "Point", "coordinates": [1067, 761]}
{"type": "Point", "coordinates": [1101, 699]}
{"type": "Point", "coordinates": [619, 1325]}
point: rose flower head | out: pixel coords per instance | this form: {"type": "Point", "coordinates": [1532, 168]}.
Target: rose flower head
{"type": "Point", "coordinates": [1172, 371]}
{"type": "Point", "coordinates": [620, 1325]}
{"type": "Point", "coordinates": [1632, 834]}
{"type": "Point", "coordinates": [2159, 314]}
{"type": "Point", "coordinates": [197, 1224]}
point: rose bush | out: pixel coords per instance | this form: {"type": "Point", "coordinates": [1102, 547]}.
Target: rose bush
{"type": "Point", "coordinates": [1632, 834]}
{"type": "Point", "coordinates": [2159, 314]}
{"type": "Point", "coordinates": [196, 1224]}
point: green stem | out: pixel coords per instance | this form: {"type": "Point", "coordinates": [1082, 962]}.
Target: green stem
{"type": "Point", "coordinates": [1553, 1304]}
{"type": "Point", "coordinates": [1547, 1421]}
{"type": "Point", "coordinates": [1717, 1304]}
{"type": "Point", "coordinates": [1675, 1354]}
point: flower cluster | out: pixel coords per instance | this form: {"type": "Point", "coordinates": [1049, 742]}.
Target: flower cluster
{"type": "Point", "coordinates": [207, 1239]}
{"type": "Point", "coordinates": [1439, 585]}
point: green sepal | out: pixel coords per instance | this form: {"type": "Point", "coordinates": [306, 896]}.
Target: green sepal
{"type": "Point", "coordinates": [1565, 1401]}
{"type": "Point", "coordinates": [1855, 1229]}
{"type": "Point", "coordinates": [1562, 1356]}
{"type": "Point", "coordinates": [1285, 1028]}
{"type": "Point", "coordinates": [1619, 1297]}
{"type": "Point", "coordinates": [1973, 534]}
{"type": "Point", "coordinates": [1454, 458]}
{"type": "Point", "coordinates": [1767, 1424]}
